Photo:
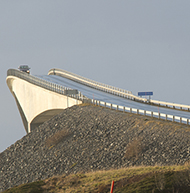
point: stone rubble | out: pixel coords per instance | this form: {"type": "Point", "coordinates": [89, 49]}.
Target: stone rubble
{"type": "Point", "coordinates": [99, 139]}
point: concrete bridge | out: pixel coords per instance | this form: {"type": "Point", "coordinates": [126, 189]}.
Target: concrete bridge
{"type": "Point", "coordinates": [41, 97]}
{"type": "Point", "coordinates": [39, 100]}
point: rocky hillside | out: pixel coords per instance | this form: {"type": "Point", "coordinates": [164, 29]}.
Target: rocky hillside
{"type": "Point", "coordinates": [89, 138]}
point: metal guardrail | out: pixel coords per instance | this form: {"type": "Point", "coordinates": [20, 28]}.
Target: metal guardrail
{"type": "Point", "coordinates": [170, 105]}
{"type": "Point", "coordinates": [142, 112]}
{"type": "Point", "coordinates": [45, 84]}
{"type": "Point", "coordinates": [114, 90]}
{"type": "Point", "coordinates": [95, 84]}
{"type": "Point", "coordinates": [56, 71]}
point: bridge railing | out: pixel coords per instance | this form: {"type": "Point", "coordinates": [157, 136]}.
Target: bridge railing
{"type": "Point", "coordinates": [157, 115]}
{"type": "Point", "coordinates": [44, 84]}
{"type": "Point", "coordinates": [95, 84]}
{"type": "Point", "coordinates": [114, 90]}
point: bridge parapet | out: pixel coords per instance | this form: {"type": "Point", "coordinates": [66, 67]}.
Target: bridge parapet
{"type": "Point", "coordinates": [95, 84]}
{"type": "Point", "coordinates": [115, 90]}
{"type": "Point", "coordinates": [45, 84]}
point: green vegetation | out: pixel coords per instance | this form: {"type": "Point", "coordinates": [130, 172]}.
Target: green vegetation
{"type": "Point", "coordinates": [136, 179]}
{"type": "Point", "coordinates": [34, 187]}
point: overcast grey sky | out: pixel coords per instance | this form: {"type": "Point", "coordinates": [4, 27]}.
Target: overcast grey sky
{"type": "Point", "coordinates": [135, 45]}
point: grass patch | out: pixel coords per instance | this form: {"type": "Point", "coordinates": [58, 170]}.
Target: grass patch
{"type": "Point", "coordinates": [34, 187]}
{"type": "Point", "coordinates": [86, 104]}
{"type": "Point", "coordinates": [135, 179]}
{"type": "Point", "coordinates": [57, 138]}
{"type": "Point", "coordinates": [134, 148]}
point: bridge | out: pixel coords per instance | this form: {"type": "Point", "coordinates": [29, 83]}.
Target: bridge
{"type": "Point", "coordinates": [41, 97]}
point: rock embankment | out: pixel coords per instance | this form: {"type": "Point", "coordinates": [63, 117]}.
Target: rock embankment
{"type": "Point", "coordinates": [89, 138]}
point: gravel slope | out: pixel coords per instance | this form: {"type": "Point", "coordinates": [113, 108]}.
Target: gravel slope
{"type": "Point", "coordinates": [97, 139]}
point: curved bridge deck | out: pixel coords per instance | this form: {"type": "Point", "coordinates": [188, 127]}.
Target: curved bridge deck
{"type": "Point", "coordinates": [40, 97]}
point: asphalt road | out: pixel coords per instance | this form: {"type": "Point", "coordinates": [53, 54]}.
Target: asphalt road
{"type": "Point", "coordinates": [109, 98]}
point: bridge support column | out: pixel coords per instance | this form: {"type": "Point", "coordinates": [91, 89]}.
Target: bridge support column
{"type": "Point", "coordinates": [29, 129]}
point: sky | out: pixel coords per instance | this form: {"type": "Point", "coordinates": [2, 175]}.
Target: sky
{"type": "Point", "coordinates": [131, 44]}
